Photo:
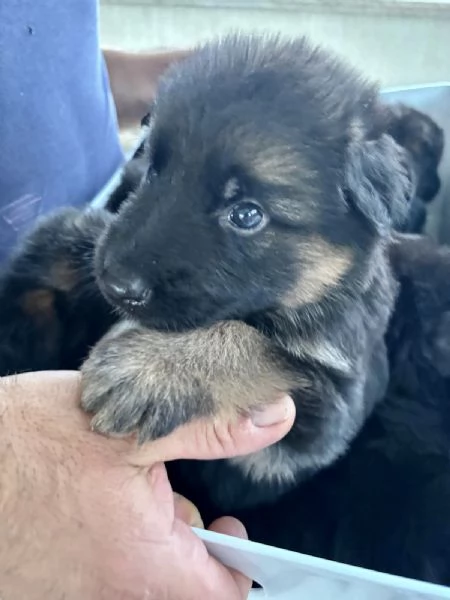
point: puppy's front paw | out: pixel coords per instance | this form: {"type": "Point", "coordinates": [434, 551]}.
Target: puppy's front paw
{"type": "Point", "coordinates": [131, 383]}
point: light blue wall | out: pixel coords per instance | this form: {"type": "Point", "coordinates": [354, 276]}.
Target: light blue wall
{"type": "Point", "coordinates": [398, 42]}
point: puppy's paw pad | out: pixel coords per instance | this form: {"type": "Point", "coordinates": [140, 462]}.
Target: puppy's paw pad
{"type": "Point", "coordinates": [111, 391]}
{"type": "Point", "coordinates": [126, 397]}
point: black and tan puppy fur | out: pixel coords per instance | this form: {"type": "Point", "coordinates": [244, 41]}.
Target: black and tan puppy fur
{"type": "Point", "coordinates": [304, 275]}
{"type": "Point", "coordinates": [51, 308]}
{"type": "Point", "coordinates": [256, 257]}
{"type": "Point", "coordinates": [413, 130]}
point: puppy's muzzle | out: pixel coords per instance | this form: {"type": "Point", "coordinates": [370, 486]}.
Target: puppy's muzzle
{"type": "Point", "coordinates": [130, 291]}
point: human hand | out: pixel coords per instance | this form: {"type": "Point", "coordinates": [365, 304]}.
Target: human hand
{"type": "Point", "coordinates": [82, 516]}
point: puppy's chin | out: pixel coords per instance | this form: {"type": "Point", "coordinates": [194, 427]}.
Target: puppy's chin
{"type": "Point", "coordinates": [153, 316]}
{"type": "Point", "coordinates": [181, 315]}
{"type": "Point", "coordinates": [164, 323]}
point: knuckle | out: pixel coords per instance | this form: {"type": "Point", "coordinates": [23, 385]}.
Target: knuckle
{"type": "Point", "coordinates": [223, 438]}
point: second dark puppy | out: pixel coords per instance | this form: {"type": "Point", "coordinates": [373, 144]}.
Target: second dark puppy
{"type": "Point", "coordinates": [423, 139]}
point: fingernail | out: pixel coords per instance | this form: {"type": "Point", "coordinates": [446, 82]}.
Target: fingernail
{"type": "Point", "coordinates": [187, 512]}
{"type": "Point", "coordinates": [272, 413]}
{"type": "Point", "coordinates": [229, 526]}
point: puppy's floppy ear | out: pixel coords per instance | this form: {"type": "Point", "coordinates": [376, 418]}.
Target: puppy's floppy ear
{"type": "Point", "coordinates": [414, 130]}
{"type": "Point", "coordinates": [379, 182]}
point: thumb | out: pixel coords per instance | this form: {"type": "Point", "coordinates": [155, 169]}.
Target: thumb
{"type": "Point", "coordinates": [208, 439]}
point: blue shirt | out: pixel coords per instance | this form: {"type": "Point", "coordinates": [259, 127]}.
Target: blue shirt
{"type": "Point", "coordinates": [58, 126]}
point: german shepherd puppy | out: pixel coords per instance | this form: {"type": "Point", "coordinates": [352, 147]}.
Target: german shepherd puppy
{"type": "Point", "coordinates": [256, 257]}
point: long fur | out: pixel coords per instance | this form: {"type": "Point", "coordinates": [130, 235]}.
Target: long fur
{"type": "Point", "coordinates": [214, 320]}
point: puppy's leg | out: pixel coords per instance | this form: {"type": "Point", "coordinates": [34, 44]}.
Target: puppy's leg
{"type": "Point", "coordinates": [48, 294]}
{"type": "Point", "coordinates": [151, 382]}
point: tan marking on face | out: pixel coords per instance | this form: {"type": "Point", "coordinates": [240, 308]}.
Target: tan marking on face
{"type": "Point", "coordinates": [322, 267]}
{"type": "Point", "coordinates": [231, 188]}
{"type": "Point", "coordinates": [305, 213]}
{"type": "Point", "coordinates": [280, 165]}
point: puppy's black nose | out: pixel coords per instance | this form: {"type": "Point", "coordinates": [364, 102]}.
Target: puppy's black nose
{"type": "Point", "coordinates": [132, 290]}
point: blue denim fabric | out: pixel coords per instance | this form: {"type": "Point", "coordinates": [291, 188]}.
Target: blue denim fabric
{"type": "Point", "coordinates": [58, 127]}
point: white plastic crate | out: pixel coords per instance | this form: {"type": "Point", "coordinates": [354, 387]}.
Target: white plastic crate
{"type": "Point", "coordinates": [290, 576]}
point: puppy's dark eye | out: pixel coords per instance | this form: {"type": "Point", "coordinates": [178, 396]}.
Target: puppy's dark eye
{"type": "Point", "coordinates": [246, 215]}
